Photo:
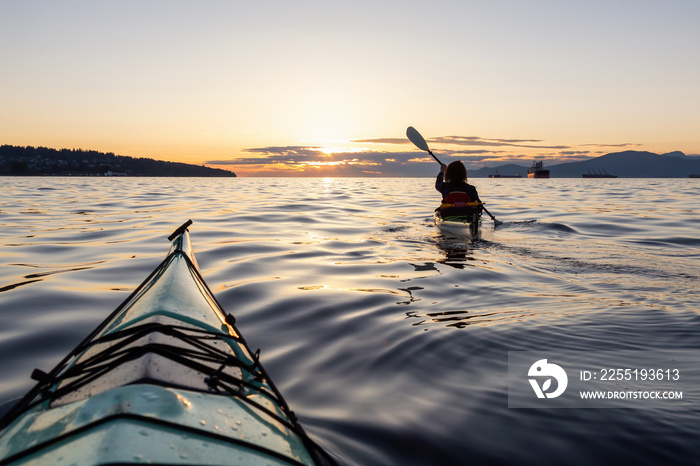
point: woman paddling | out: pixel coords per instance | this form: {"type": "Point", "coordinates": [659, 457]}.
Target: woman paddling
{"type": "Point", "coordinates": [415, 137]}
{"type": "Point", "coordinates": [458, 197]}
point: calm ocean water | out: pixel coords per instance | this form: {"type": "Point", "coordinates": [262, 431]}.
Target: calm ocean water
{"type": "Point", "coordinates": [389, 340]}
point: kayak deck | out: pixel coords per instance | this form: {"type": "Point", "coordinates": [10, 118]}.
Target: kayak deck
{"type": "Point", "coordinates": [167, 378]}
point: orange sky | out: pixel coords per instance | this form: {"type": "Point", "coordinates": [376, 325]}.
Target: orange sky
{"type": "Point", "coordinates": [245, 84]}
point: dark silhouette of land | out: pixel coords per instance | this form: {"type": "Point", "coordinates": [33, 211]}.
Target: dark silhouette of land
{"type": "Point", "coordinates": [41, 161]}
{"type": "Point", "coordinates": [627, 164]}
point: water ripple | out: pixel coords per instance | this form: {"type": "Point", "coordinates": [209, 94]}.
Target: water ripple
{"type": "Point", "coordinates": [388, 339]}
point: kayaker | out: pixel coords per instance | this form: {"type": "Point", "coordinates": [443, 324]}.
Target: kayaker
{"type": "Point", "coordinates": [456, 192]}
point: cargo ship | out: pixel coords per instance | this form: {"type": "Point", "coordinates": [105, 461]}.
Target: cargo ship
{"type": "Point", "coordinates": [537, 170]}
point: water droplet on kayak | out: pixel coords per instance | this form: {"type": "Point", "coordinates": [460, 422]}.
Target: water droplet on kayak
{"type": "Point", "coordinates": [184, 400]}
{"type": "Point", "coordinates": [183, 455]}
{"type": "Point", "coordinates": [144, 433]}
{"type": "Point", "coordinates": [138, 457]}
{"type": "Point", "coordinates": [203, 422]}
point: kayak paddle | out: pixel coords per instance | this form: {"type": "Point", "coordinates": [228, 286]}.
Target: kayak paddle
{"type": "Point", "coordinates": [495, 222]}
{"type": "Point", "coordinates": [415, 137]}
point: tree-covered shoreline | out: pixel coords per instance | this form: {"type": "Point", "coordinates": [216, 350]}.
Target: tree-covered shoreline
{"type": "Point", "coordinates": [44, 161]}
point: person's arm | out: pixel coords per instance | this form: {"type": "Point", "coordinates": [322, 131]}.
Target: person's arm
{"type": "Point", "coordinates": [440, 180]}
{"type": "Point", "coordinates": [475, 194]}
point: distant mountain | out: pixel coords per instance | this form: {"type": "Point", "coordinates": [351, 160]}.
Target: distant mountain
{"type": "Point", "coordinates": [17, 160]}
{"type": "Point", "coordinates": [632, 164]}
{"type": "Point", "coordinates": [504, 170]}
{"type": "Point", "coordinates": [627, 164]}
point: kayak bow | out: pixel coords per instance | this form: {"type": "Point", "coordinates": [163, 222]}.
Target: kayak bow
{"type": "Point", "coordinates": [166, 378]}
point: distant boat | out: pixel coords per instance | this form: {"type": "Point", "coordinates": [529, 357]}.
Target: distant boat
{"type": "Point", "coordinates": [498, 175]}
{"type": "Point", "coordinates": [599, 174]}
{"type": "Point", "coordinates": [537, 170]}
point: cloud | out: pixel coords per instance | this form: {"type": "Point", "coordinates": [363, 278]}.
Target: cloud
{"type": "Point", "coordinates": [471, 152]}
{"type": "Point", "coordinates": [468, 141]}
{"type": "Point", "coordinates": [294, 155]}
{"type": "Point", "coordinates": [624, 144]}
{"type": "Point", "coordinates": [276, 155]}
{"type": "Point", "coordinates": [383, 141]}
{"type": "Point", "coordinates": [476, 152]}
{"type": "Point", "coordinates": [489, 142]}
{"type": "Point", "coordinates": [575, 153]}
{"type": "Point", "coordinates": [478, 141]}
{"type": "Point", "coordinates": [301, 160]}
{"type": "Point", "coordinates": [297, 152]}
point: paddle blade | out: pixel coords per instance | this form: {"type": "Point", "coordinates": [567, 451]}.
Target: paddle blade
{"type": "Point", "coordinates": [414, 136]}
{"type": "Point", "coordinates": [495, 221]}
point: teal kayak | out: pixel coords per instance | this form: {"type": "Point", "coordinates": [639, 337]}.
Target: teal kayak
{"type": "Point", "coordinates": [468, 226]}
{"type": "Point", "coordinates": [166, 379]}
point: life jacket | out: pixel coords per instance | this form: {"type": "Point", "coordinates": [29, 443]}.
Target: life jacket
{"type": "Point", "coordinates": [458, 199]}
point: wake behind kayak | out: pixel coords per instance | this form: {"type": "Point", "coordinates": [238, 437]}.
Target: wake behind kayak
{"type": "Point", "coordinates": [166, 378]}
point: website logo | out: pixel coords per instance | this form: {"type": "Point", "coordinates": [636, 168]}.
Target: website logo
{"type": "Point", "coordinates": [544, 371]}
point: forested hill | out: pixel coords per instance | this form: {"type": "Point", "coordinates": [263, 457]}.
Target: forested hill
{"type": "Point", "coordinates": [17, 160]}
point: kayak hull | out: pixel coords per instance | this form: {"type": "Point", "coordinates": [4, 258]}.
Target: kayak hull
{"type": "Point", "coordinates": [166, 379]}
{"type": "Point", "coordinates": [465, 228]}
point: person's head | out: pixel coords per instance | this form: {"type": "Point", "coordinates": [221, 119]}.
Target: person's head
{"type": "Point", "coordinates": [456, 172]}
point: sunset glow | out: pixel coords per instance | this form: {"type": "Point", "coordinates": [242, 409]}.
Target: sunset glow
{"type": "Point", "coordinates": [328, 150]}
{"type": "Point", "coordinates": [291, 89]}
